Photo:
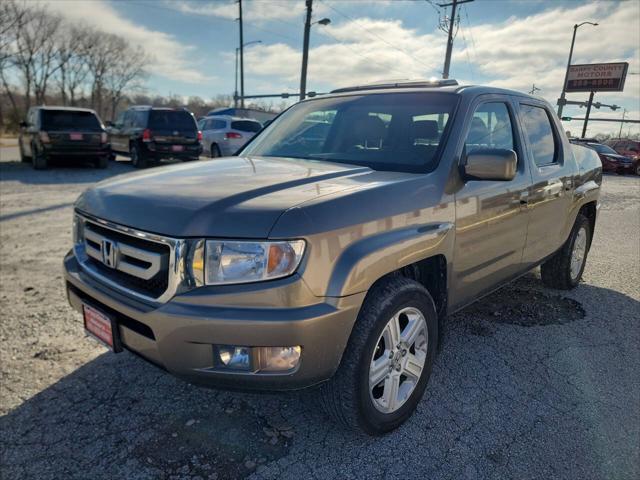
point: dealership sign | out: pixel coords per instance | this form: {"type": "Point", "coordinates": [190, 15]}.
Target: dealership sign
{"type": "Point", "coordinates": [597, 77]}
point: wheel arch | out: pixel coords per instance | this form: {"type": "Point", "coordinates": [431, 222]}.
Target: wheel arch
{"type": "Point", "coordinates": [411, 252]}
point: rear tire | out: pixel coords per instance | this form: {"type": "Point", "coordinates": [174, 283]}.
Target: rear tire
{"type": "Point", "coordinates": [215, 151]}
{"type": "Point", "coordinates": [564, 269]}
{"type": "Point", "coordinates": [357, 395]}
{"type": "Point", "coordinates": [138, 160]}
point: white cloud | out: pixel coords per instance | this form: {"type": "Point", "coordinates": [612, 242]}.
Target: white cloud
{"type": "Point", "coordinates": [170, 56]}
{"type": "Point", "coordinates": [522, 51]}
{"type": "Point", "coordinates": [362, 50]}
{"type": "Point", "coordinates": [256, 11]}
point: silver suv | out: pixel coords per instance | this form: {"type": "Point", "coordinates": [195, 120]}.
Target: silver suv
{"type": "Point", "coordinates": [223, 135]}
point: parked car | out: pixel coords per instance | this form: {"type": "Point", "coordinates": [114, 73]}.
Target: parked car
{"type": "Point", "coordinates": [148, 135]}
{"type": "Point", "coordinates": [50, 132]}
{"type": "Point", "coordinates": [628, 148]}
{"type": "Point", "coordinates": [335, 263]}
{"type": "Point", "coordinates": [224, 135]}
{"type": "Point", "coordinates": [612, 161]}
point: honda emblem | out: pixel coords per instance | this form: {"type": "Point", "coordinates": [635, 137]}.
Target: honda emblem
{"type": "Point", "coordinates": [109, 253]}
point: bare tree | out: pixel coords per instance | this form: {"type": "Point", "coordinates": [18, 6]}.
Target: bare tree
{"type": "Point", "coordinates": [73, 67]}
{"type": "Point", "coordinates": [128, 69]}
{"type": "Point", "coordinates": [102, 56]}
{"type": "Point", "coordinates": [36, 50]}
{"type": "Point", "coordinates": [12, 18]}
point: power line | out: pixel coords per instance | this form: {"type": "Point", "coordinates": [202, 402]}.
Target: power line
{"type": "Point", "coordinates": [346, 45]}
{"type": "Point", "coordinates": [375, 35]}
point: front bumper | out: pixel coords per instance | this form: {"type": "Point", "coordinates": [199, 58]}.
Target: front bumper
{"type": "Point", "coordinates": [180, 335]}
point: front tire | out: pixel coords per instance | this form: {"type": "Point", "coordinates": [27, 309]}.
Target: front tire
{"type": "Point", "coordinates": [564, 269]}
{"type": "Point", "coordinates": [388, 359]}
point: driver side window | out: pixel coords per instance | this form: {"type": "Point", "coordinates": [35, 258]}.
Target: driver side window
{"type": "Point", "coordinates": [491, 127]}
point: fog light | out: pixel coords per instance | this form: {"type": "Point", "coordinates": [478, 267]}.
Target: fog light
{"type": "Point", "coordinates": [234, 357]}
{"type": "Point", "coordinates": [278, 359]}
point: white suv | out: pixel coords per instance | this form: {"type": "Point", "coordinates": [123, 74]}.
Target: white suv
{"type": "Point", "coordinates": [223, 135]}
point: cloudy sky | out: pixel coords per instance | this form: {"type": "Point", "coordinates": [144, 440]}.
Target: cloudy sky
{"type": "Point", "coordinates": [512, 44]}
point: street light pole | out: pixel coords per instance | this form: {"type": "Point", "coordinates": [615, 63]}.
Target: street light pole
{"type": "Point", "coordinates": [305, 46]}
{"type": "Point", "coordinates": [566, 74]}
{"type": "Point", "coordinates": [305, 50]}
{"type": "Point", "coordinates": [241, 56]}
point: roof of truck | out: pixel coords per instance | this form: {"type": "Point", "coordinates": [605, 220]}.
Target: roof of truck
{"type": "Point", "coordinates": [432, 85]}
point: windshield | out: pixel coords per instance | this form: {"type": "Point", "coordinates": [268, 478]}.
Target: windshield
{"type": "Point", "coordinates": [390, 131]}
{"type": "Point", "coordinates": [53, 120]}
{"type": "Point", "coordinates": [601, 148]}
{"type": "Point", "coordinates": [171, 120]}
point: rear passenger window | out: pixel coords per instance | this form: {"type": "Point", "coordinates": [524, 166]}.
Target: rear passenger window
{"type": "Point", "coordinates": [538, 129]}
{"type": "Point", "coordinates": [490, 128]}
{"type": "Point", "coordinates": [218, 124]}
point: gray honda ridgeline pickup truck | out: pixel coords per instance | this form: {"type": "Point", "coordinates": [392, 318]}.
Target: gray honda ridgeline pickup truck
{"type": "Point", "coordinates": [329, 250]}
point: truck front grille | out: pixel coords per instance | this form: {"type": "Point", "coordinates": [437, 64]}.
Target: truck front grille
{"type": "Point", "coordinates": [137, 263]}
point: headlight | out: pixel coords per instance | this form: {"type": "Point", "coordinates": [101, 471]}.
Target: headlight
{"type": "Point", "coordinates": [227, 262]}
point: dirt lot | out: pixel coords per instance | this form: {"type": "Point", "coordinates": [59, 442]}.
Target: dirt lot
{"type": "Point", "coordinates": [532, 383]}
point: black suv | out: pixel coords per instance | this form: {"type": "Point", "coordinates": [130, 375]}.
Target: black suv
{"type": "Point", "coordinates": [148, 134]}
{"type": "Point", "coordinates": [62, 132]}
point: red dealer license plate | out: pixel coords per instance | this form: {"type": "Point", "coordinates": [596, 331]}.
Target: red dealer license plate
{"type": "Point", "coordinates": [98, 325]}
{"type": "Point", "coordinates": [177, 148]}
{"type": "Point", "coordinates": [75, 136]}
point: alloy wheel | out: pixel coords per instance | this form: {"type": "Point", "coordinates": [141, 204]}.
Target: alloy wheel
{"type": "Point", "coordinates": [579, 252]}
{"type": "Point", "coordinates": [398, 360]}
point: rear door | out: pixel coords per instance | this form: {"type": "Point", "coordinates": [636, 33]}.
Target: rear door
{"type": "Point", "coordinates": [552, 170]}
{"type": "Point", "coordinates": [491, 216]}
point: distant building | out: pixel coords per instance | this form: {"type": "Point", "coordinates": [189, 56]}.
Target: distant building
{"type": "Point", "coordinates": [259, 115]}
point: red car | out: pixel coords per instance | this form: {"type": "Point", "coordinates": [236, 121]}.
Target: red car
{"type": "Point", "coordinates": [628, 148]}
{"type": "Point", "coordinates": [611, 160]}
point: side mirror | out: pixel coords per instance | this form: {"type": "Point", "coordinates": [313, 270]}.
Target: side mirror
{"type": "Point", "coordinates": [24, 124]}
{"type": "Point", "coordinates": [491, 164]}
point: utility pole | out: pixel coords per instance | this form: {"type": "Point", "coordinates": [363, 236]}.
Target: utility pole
{"type": "Point", "coordinates": [624, 112]}
{"type": "Point", "coordinates": [305, 50]}
{"type": "Point", "coordinates": [586, 116]}
{"type": "Point", "coordinates": [241, 56]}
{"type": "Point", "coordinates": [561, 100]}
{"type": "Point", "coordinates": [452, 21]}
{"type": "Point", "coordinates": [534, 89]}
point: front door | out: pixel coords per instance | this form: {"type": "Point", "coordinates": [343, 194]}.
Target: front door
{"type": "Point", "coordinates": [491, 216]}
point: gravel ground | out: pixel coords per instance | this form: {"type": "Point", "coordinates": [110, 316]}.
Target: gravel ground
{"type": "Point", "coordinates": [531, 383]}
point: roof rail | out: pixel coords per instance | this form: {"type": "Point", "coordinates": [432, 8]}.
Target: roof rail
{"type": "Point", "coordinates": [400, 84]}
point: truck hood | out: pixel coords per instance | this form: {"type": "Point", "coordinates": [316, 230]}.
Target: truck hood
{"type": "Point", "coordinates": [239, 197]}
